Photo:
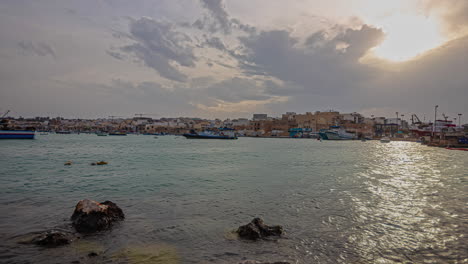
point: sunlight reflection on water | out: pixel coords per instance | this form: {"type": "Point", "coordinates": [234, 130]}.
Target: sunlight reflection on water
{"type": "Point", "coordinates": [401, 220]}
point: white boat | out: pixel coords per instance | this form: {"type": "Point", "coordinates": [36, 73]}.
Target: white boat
{"type": "Point", "coordinates": [385, 140]}
{"type": "Point", "coordinates": [336, 133]}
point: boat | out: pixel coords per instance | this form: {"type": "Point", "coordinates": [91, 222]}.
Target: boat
{"type": "Point", "coordinates": [462, 149]}
{"type": "Point", "coordinates": [421, 129]}
{"type": "Point", "coordinates": [117, 134]}
{"type": "Point", "coordinates": [336, 133]}
{"type": "Point", "coordinates": [208, 134]}
{"type": "Point", "coordinates": [17, 134]}
{"type": "Point", "coordinates": [385, 140]}
{"type": "Point", "coordinates": [8, 132]}
{"type": "Point", "coordinates": [102, 134]}
{"type": "Point", "coordinates": [63, 132]}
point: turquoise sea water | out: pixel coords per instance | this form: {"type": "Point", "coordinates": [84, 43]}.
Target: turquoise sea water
{"type": "Point", "coordinates": [339, 202]}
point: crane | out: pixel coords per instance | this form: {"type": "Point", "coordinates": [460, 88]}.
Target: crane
{"type": "Point", "coordinates": [6, 113]}
{"type": "Point", "coordinates": [445, 117]}
{"type": "Point", "coordinates": [415, 117]}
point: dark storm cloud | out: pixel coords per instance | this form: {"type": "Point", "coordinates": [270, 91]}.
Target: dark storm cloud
{"type": "Point", "coordinates": [324, 68]}
{"type": "Point", "coordinates": [221, 19]}
{"type": "Point", "coordinates": [219, 14]}
{"type": "Point", "coordinates": [38, 48]}
{"type": "Point", "coordinates": [216, 43]}
{"type": "Point", "coordinates": [158, 44]}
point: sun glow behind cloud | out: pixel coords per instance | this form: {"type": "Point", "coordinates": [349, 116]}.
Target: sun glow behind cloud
{"type": "Point", "coordinates": [407, 36]}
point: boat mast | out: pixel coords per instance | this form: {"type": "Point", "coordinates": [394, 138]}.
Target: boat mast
{"type": "Point", "coordinates": [435, 118]}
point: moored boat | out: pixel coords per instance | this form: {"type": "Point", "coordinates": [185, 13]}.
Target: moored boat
{"type": "Point", "coordinates": [462, 149]}
{"type": "Point", "coordinates": [117, 134]}
{"type": "Point", "coordinates": [385, 140]}
{"type": "Point", "coordinates": [63, 132]}
{"type": "Point", "coordinates": [336, 133]}
{"type": "Point", "coordinates": [222, 134]}
{"type": "Point", "coordinates": [17, 134]}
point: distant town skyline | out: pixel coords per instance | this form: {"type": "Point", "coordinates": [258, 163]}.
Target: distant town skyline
{"type": "Point", "coordinates": [231, 59]}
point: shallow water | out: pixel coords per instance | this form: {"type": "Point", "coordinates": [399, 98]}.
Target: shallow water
{"type": "Point", "coordinates": [339, 202]}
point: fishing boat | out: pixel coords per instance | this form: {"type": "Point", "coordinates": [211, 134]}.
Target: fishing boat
{"type": "Point", "coordinates": [385, 140]}
{"type": "Point", "coordinates": [63, 132]}
{"type": "Point", "coordinates": [224, 133]}
{"type": "Point", "coordinates": [336, 133]}
{"type": "Point", "coordinates": [117, 134]}
{"type": "Point", "coordinates": [17, 134]}
{"type": "Point", "coordinates": [8, 132]}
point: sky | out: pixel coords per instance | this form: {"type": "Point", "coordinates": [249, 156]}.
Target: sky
{"type": "Point", "coordinates": [233, 58]}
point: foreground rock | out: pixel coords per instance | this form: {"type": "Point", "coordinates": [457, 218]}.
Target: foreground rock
{"type": "Point", "coordinates": [258, 230]}
{"type": "Point", "coordinates": [90, 216]}
{"type": "Point", "coordinates": [53, 238]}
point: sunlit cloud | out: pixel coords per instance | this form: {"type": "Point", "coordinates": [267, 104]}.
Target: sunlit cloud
{"type": "Point", "coordinates": [407, 36]}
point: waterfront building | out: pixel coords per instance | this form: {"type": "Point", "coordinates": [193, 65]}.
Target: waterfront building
{"type": "Point", "coordinates": [257, 117]}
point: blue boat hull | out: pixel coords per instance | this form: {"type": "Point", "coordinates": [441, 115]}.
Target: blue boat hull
{"type": "Point", "coordinates": [16, 134]}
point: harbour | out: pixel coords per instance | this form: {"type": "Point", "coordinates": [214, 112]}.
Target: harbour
{"type": "Point", "coordinates": [185, 198]}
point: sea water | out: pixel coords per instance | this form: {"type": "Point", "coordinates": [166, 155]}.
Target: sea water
{"type": "Point", "coordinates": [338, 201]}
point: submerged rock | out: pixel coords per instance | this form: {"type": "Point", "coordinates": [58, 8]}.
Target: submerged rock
{"type": "Point", "coordinates": [90, 216]}
{"type": "Point", "coordinates": [256, 229]}
{"type": "Point", "coordinates": [147, 254]}
{"type": "Point", "coordinates": [53, 238]}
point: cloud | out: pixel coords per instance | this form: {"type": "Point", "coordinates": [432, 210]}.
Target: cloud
{"type": "Point", "coordinates": [38, 48]}
{"type": "Point", "coordinates": [236, 90]}
{"type": "Point", "coordinates": [454, 14]}
{"type": "Point", "coordinates": [216, 43]}
{"type": "Point", "coordinates": [221, 19]}
{"type": "Point", "coordinates": [115, 55]}
{"type": "Point", "coordinates": [219, 14]}
{"type": "Point", "coordinates": [160, 47]}
{"type": "Point", "coordinates": [326, 68]}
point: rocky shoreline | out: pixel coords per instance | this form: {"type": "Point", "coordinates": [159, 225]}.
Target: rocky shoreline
{"type": "Point", "coordinates": [91, 217]}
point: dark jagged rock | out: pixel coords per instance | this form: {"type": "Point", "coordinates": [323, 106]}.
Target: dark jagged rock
{"type": "Point", "coordinates": [256, 229]}
{"type": "Point", "coordinates": [90, 216]}
{"type": "Point", "coordinates": [53, 238]}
